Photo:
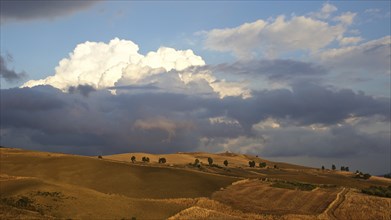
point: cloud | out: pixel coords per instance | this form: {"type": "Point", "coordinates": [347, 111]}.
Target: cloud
{"type": "Point", "coordinates": [372, 10]}
{"type": "Point", "coordinates": [84, 90]}
{"type": "Point", "coordinates": [346, 18]}
{"type": "Point", "coordinates": [31, 10]}
{"type": "Point", "coordinates": [349, 40]}
{"type": "Point", "coordinates": [8, 74]}
{"type": "Point", "coordinates": [54, 118]}
{"type": "Point", "coordinates": [325, 12]}
{"type": "Point", "coordinates": [281, 36]}
{"type": "Point", "coordinates": [118, 64]}
{"type": "Point", "coordinates": [277, 70]}
{"type": "Point", "coordinates": [274, 37]}
{"type": "Point", "coordinates": [163, 124]}
{"type": "Point", "coordinates": [102, 65]}
{"type": "Point", "coordinates": [372, 56]}
{"type": "Point", "coordinates": [308, 119]}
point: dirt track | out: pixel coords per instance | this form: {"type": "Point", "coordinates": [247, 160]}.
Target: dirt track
{"type": "Point", "coordinates": [335, 204]}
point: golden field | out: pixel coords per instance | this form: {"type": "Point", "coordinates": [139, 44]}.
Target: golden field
{"type": "Point", "coordinates": [42, 185]}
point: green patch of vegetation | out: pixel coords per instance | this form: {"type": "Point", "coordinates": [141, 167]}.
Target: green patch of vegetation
{"type": "Point", "coordinates": [294, 185]}
{"type": "Point", "coordinates": [378, 191]}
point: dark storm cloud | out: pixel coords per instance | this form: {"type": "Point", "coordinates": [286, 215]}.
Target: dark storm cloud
{"type": "Point", "coordinates": [307, 104]}
{"type": "Point", "coordinates": [8, 74]}
{"type": "Point", "coordinates": [35, 9]}
{"type": "Point", "coordinates": [167, 122]}
{"type": "Point", "coordinates": [275, 70]}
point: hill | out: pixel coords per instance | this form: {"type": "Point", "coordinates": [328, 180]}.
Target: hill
{"type": "Point", "coordinates": [56, 186]}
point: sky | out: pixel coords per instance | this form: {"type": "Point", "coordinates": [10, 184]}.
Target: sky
{"type": "Point", "coordinates": [305, 82]}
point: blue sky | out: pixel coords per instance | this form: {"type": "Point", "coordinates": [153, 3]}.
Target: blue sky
{"type": "Point", "coordinates": [38, 45]}
{"type": "Point", "coordinates": [301, 81]}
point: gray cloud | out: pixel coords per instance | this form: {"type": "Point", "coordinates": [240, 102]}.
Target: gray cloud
{"type": "Point", "coordinates": [275, 70]}
{"type": "Point", "coordinates": [109, 122]}
{"type": "Point", "coordinates": [8, 74]}
{"type": "Point", "coordinates": [84, 90]}
{"type": "Point", "coordinates": [29, 10]}
{"type": "Point", "coordinates": [337, 142]}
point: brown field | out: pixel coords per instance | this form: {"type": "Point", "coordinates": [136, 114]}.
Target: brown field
{"type": "Point", "coordinates": [41, 185]}
{"type": "Point", "coordinates": [259, 197]}
{"type": "Point", "coordinates": [371, 207]}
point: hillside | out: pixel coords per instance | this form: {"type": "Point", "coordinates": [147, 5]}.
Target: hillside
{"type": "Point", "coordinates": [50, 186]}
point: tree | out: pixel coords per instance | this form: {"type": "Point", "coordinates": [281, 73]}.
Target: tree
{"type": "Point", "coordinates": [145, 159]}
{"type": "Point", "coordinates": [226, 162]}
{"type": "Point", "coordinates": [322, 167]}
{"type": "Point", "coordinates": [347, 169]}
{"type": "Point", "coordinates": [251, 163]}
{"type": "Point", "coordinates": [262, 164]}
{"type": "Point", "coordinates": [162, 160]}
{"type": "Point", "coordinates": [333, 167]}
{"type": "Point", "coordinates": [342, 168]}
{"type": "Point", "coordinates": [210, 161]}
{"type": "Point", "coordinates": [196, 162]}
{"type": "Point", "coordinates": [133, 159]}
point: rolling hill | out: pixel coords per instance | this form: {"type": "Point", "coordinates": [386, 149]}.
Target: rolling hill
{"type": "Point", "coordinates": [56, 186]}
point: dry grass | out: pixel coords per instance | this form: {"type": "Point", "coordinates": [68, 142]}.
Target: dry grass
{"type": "Point", "coordinates": [361, 206]}
{"type": "Point", "coordinates": [111, 177]}
{"type": "Point", "coordinates": [70, 186]}
{"type": "Point", "coordinates": [259, 197]}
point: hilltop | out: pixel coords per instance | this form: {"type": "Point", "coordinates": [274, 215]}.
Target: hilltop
{"type": "Point", "coordinates": [55, 186]}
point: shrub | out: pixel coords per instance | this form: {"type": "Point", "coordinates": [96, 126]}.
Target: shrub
{"type": "Point", "coordinates": [275, 166]}
{"type": "Point", "coordinates": [378, 191]}
{"type": "Point", "coordinates": [367, 176]}
{"type": "Point", "coordinates": [133, 159]}
{"type": "Point", "coordinates": [226, 162]}
{"type": "Point", "coordinates": [294, 185]}
{"type": "Point", "coordinates": [322, 167]}
{"type": "Point", "coordinates": [251, 163]}
{"type": "Point", "coordinates": [210, 161]}
{"type": "Point", "coordinates": [100, 157]}
{"type": "Point", "coordinates": [360, 175]}
{"type": "Point", "coordinates": [162, 160]}
{"type": "Point", "coordinates": [262, 164]}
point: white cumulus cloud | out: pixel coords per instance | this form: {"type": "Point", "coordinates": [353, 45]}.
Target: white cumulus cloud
{"type": "Point", "coordinates": [117, 63]}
